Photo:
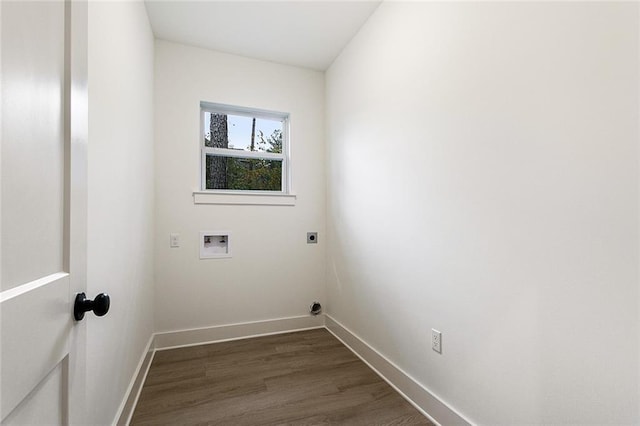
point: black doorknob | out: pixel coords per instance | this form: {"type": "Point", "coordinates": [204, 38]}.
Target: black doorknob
{"type": "Point", "coordinates": [99, 305]}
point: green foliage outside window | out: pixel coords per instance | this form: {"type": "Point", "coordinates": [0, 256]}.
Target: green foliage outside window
{"type": "Point", "coordinates": [244, 173]}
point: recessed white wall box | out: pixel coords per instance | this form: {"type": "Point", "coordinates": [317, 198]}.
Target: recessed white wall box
{"type": "Point", "coordinates": [215, 244]}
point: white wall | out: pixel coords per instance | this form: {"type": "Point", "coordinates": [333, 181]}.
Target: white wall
{"type": "Point", "coordinates": [121, 192]}
{"type": "Point", "coordinates": [273, 272]}
{"type": "Point", "coordinates": [483, 181]}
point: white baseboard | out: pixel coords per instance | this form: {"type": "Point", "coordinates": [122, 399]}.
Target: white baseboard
{"type": "Point", "coordinates": [200, 336]}
{"type": "Point", "coordinates": [125, 411]}
{"type": "Point", "coordinates": [221, 333]}
{"type": "Point", "coordinates": [419, 396]}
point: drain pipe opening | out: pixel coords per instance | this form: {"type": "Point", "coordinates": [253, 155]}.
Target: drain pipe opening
{"type": "Point", "coordinates": [315, 308]}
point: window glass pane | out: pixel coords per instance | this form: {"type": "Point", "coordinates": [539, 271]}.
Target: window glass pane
{"type": "Point", "coordinates": [242, 133]}
{"type": "Point", "coordinates": [243, 174]}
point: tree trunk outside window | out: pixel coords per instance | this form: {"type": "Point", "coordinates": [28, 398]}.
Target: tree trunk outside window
{"type": "Point", "coordinates": [217, 166]}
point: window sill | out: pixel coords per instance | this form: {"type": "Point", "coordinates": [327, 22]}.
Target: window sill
{"type": "Point", "coordinates": [249, 199]}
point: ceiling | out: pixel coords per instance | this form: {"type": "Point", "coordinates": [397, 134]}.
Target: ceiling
{"type": "Point", "coordinates": [303, 33]}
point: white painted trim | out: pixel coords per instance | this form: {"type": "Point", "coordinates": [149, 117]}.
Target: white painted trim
{"type": "Point", "coordinates": [408, 387]}
{"type": "Point", "coordinates": [27, 287]}
{"type": "Point", "coordinates": [193, 337]}
{"type": "Point", "coordinates": [228, 332]}
{"type": "Point", "coordinates": [251, 199]}
{"type": "Point", "coordinates": [244, 111]}
{"type": "Point", "coordinates": [236, 153]}
{"type": "Point", "coordinates": [130, 400]}
{"type": "Point", "coordinates": [419, 396]}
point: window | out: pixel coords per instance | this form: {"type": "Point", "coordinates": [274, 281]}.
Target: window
{"type": "Point", "coordinates": [244, 149]}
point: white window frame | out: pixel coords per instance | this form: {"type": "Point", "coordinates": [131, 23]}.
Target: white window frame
{"type": "Point", "coordinates": [253, 113]}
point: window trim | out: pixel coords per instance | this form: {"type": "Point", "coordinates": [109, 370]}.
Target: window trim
{"type": "Point", "coordinates": [244, 198]}
{"type": "Point", "coordinates": [253, 113]}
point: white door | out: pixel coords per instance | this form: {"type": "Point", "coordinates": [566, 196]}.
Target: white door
{"type": "Point", "coordinates": [43, 206]}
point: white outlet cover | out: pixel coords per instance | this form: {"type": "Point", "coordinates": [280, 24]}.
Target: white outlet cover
{"type": "Point", "coordinates": [436, 340]}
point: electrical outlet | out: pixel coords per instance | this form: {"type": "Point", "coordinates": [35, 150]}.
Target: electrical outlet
{"type": "Point", "coordinates": [436, 340]}
{"type": "Point", "coordinates": [174, 240]}
{"type": "Point", "coordinates": [312, 238]}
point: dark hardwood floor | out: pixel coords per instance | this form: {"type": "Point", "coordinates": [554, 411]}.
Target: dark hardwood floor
{"type": "Point", "coordinates": [303, 378]}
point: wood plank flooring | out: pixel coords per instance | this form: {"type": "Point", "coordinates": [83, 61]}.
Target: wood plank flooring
{"type": "Point", "coordinates": [303, 378]}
